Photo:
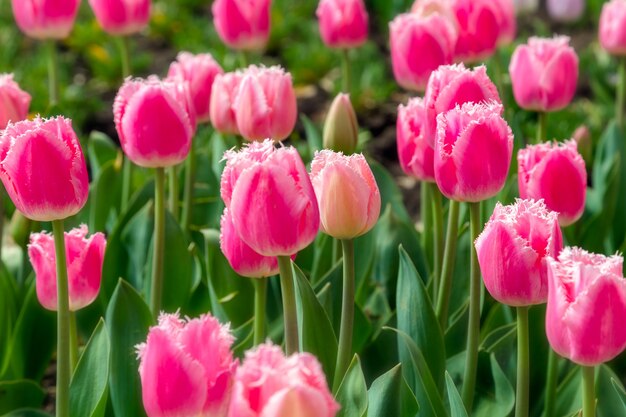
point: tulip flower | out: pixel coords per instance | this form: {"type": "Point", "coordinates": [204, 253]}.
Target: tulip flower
{"type": "Point", "coordinates": [268, 384]}
{"type": "Point", "coordinates": [415, 154]}
{"type": "Point", "coordinates": [343, 23]}
{"type": "Point", "coordinates": [122, 17]}
{"type": "Point", "coordinates": [221, 108]}
{"type": "Point", "coordinates": [566, 10]}
{"type": "Point", "coordinates": [14, 101]}
{"type": "Point", "coordinates": [555, 173]}
{"type": "Point", "coordinates": [506, 21]}
{"type": "Point", "coordinates": [45, 19]}
{"type": "Point", "coordinates": [341, 129]}
{"type": "Point", "coordinates": [479, 29]}
{"type": "Point", "coordinates": [242, 24]}
{"type": "Point", "coordinates": [187, 367]}
{"type": "Point", "coordinates": [612, 31]}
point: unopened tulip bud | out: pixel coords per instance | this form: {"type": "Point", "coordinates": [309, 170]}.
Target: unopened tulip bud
{"type": "Point", "coordinates": [582, 136]}
{"type": "Point", "coordinates": [341, 129]}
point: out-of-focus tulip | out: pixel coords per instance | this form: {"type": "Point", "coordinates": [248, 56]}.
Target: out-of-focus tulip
{"type": "Point", "coordinates": [414, 152]}
{"type": "Point", "coordinates": [566, 10]}
{"type": "Point", "coordinates": [269, 385]}
{"type": "Point", "coordinates": [84, 267]}
{"type": "Point", "coordinates": [544, 73]}
{"type": "Point", "coordinates": [343, 23]}
{"type": "Point", "coordinates": [45, 19]}
{"type": "Point", "coordinates": [341, 129]}
{"type": "Point", "coordinates": [242, 24]}
{"type": "Point", "coordinates": [223, 94]}
{"type": "Point", "coordinates": [347, 194]}
{"type": "Point", "coordinates": [586, 315]}
{"type": "Point", "coordinates": [512, 251]}
{"type": "Point", "coordinates": [453, 85]}
{"type": "Point", "coordinates": [270, 198]}
{"type": "Point", "coordinates": [507, 21]}
{"type": "Point", "coordinates": [265, 106]}
{"type": "Point", "coordinates": [187, 367]}
{"type": "Point", "coordinates": [122, 17]}
{"type": "Point", "coordinates": [43, 169]}
{"type": "Point", "coordinates": [199, 71]}
{"type": "Point", "coordinates": [479, 29]}
{"type": "Point", "coordinates": [155, 121]}
{"type": "Point", "coordinates": [526, 6]}
{"type": "Point", "coordinates": [555, 173]}
{"type": "Point", "coordinates": [612, 31]}
{"type": "Point", "coordinates": [473, 151]}
{"type": "Point", "coordinates": [14, 101]}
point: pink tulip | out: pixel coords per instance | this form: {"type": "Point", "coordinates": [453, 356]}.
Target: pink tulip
{"type": "Point", "coordinates": [506, 21]}
{"type": "Point", "coordinates": [221, 108]}
{"type": "Point", "coordinates": [155, 121]}
{"type": "Point", "coordinates": [187, 367]}
{"type": "Point", "coordinates": [472, 152]}
{"type": "Point", "coordinates": [84, 267]}
{"type": "Point", "coordinates": [14, 101]}
{"type": "Point", "coordinates": [265, 106]}
{"type": "Point", "coordinates": [43, 168]}
{"type": "Point", "coordinates": [415, 154]}
{"type": "Point", "coordinates": [613, 27]}
{"type": "Point", "coordinates": [242, 24]}
{"type": "Point", "coordinates": [270, 198]}
{"type": "Point", "coordinates": [452, 85]}
{"type": "Point", "coordinates": [586, 316]}
{"type": "Point", "coordinates": [479, 29]}
{"type": "Point", "coordinates": [419, 45]}
{"type": "Point", "coordinates": [347, 194]}
{"type": "Point", "coordinates": [512, 251]}
{"type": "Point", "coordinates": [122, 17]}
{"type": "Point", "coordinates": [566, 10]}
{"type": "Point", "coordinates": [269, 385]}
{"type": "Point", "coordinates": [199, 71]}
{"type": "Point", "coordinates": [343, 23]}
{"type": "Point", "coordinates": [555, 173]}
{"type": "Point", "coordinates": [544, 74]}
{"type": "Point", "coordinates": [45, 19]}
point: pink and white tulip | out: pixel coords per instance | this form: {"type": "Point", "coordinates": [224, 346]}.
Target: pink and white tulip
{"type": "Point", "coordinates": [122, 17]}
{"type": "Point", "coordinates": [45, 19]}
{"type": "Point", "coordinates": [223, 95]}
{"type": "Point", "coordinates": [507, 21]}
{"type": "Point", "coordinates": [242, 24]}
{"type": "Point", "coordinates": [342, 23]}
{"type": "Point", "coordinates": [414, 152]}
{"type": "Point", "coordinates": [14, 102]}
{"type": "Point", "coordinates": [612, 31]}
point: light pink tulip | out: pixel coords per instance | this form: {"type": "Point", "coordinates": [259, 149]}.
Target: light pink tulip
{"type": "Point", "coordinates": [265, 106]}
{"type": "Point", "coordinates": [14, 101]}
{"type": "Point", "coordinates": [473, 151]}
{"type": "Point", "coordinates": [586, 315]}
{"type": "Point", "coordinates": [555, 173]}
{"type": "Point", "coordinates": [242, 24]}
{"type": "Point", "coordinates": [187, 367]}
{"type": "Point", "coordinates": [343, 23]}
{"type": "Point", "coordinates": [45, 19]}
{"type": "Point", "coordinates": [267, 384]}
{"type": "Point", "coordinates": [512, 251]}
{"type": "Point", "coordinates": [414, 152]}
{"type": "Point", "coordinates": [479, 29]}
{"type": "Point", "coordinates": [347, 194]}
{"type": "Point", "coordinates": [452, 85]}
{"type": "Point", "coordinates": [223, 94]}
{"type": "Point", "coordinates": [544, 73]}
{"type": "Point", "coordinates": [612, 32]}
{"type": "Point", "coordinates": [507, 21]}
{"type": "Point", "coordinates": [84, 258]}
{"type": "Point", "coordinates": [155, 121]}
{"type": "Point", "coordinates": [122, 17]}
{"type": "Point", "coordinates": [43, 169]}
{"type": "Point", "coordinates": [270, 198]}
{"type": "Point", "coordinates": [200, 72]}
{"type": "Point", "coordinates": [566, 10]}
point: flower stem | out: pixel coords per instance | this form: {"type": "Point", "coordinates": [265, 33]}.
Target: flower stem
{"type": "Point", "coordinates": [621, 91]}
{"type": "Point", "coordinates": [426, 217]}
{"type": "Point", "coordinates": [158, 241]}
{"type": "Point", "coordinates": [589, 392]}
{"type": "Point", "coordinates": [190, 178]}
{"type": "Point", "coordinates": [2, 192]}
{"type": "Point", "coordinates": [345, 65]}
{"type": "Point", "coordinates": [437, 215]}
{"type": "Point", "coordinates": [289, 304]}
{"type": "Point", "coordinates": [53, 74]}
{"type": "Point", "coordinates": [523, 365]}
{"type": "Point", "coordinates": [449, 255]}
{"type": "Point", "coordinates": [344, 351]}
{"type": "Point", "coordinates": [174, 190]}
{"type": "Point", "coordinates": [542, 118]}
{"type": "Point", "coordinates": [127, 170]}
{"type": "Point", "coordinates": [63, 323]}
{"type": "Point", "coordinates": [125, 56]}
{"type": "Point", "coordinates": [551, 381]}
{"type": "Point", "coordinates": [73, 342]}
{"type": "Point", "coordinates": [260, 300]}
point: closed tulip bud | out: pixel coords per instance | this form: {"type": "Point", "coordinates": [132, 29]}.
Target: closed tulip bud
{"type": "Point", "coordinates": [506, 21]}
{"type": "Point", "coordinates": [612, 31]}
{"type": "Point", "coordinates": [221, 109]}
{"type": "Point", "coordinates": [14, 101]}
{"type": "Point", "coordinates": [586, 315]}
{"type": "Point", "coordinates": [270, 197]}
{"type": "Point", "coordinates": [84, 258]}
{"type": "Point", "coordinates": [122, 17]}
{"type": "Point", "coordinates": [267, 384]}
{"type": "Point", "coordinates": [479, 29]}
{"type": "Point", "coordinates": [512, 252]}
{"type": "Point", "coordinates": [555, 173]}
{"type": "Point", "coordinates": [566, 10]}
{"type": "Point", "coordinates": [200, 72]}
{"type": "Point", "coordinates": [265, 106]}
{"type": "Point", "coordinates": [43, 169]}
{"type": "Point", "coordinates": [343, 23]}
{"type": "Point", "coordinates": [544, 74]}
{"type": "Point", "coordinates": [243, 25]}
{"type": "Point", "coordinates": [582, 137]}
{"type": "Point", "coordinates": [414, 152]}
{"type": "Point", "coordinates": [155, 121]}
{"type": "Point", "coordinates": [187, 367]}
{"type": "Point", "coordinates": [45, 19]}
{"type": "Point", "coordinates": [341, 130]}
{"type": "Point", "coordinates": [473, 151]}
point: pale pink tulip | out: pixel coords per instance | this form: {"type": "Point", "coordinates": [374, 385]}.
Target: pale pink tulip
{"type": "Point", "coordinates": [612, 31]}
{"type": "Point", "coordinates": [506, 20]}
{"type": "Point", "coordinates": [479, 29]}
{"type": "Point", "coordinates": [14, 101]}
{"type": "Point", "coordinates": [45, 19]}
{"type": "Point", "coordinates": [342, 23]}
{"type": "Point", "coordinates": [566, 10]}
{"type": "Point", "coordinates": [242, 24]}
{"type": "Point", "coordinates": [414, 152]}
{"type": "Point", "coordinates": [223, 94]}
{"type": "Point", "coordinates": [122, 17]}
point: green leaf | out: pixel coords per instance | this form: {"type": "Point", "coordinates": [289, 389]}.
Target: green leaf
{"type": "Point", "coordinates": [499, 337]}
{"type": "Point", "coordinates": [390, 194]}
{"type": "Point", "coordinates": [352, 393]}
{"type": "Point", "coordinates": [8, 309]}
{"type": "Point", "coordinates": [457, 408]}
{"type": "Point", "coordinates": [619, 389]}
{"type": "Point", "coordinates": [104, 195]}
{"type": "Point", "coordinates": [19, 394]}
{"type": "Point", "coordinates": [390, 395]}
{"type": "Point", "coordinates": [501, 400]}
{"type": "Point", "coordinates": [27, 412]}
{"type": "Point", "coordinates": [610, 393]}
{"type": "Point", "coordinates": [88, 388]}
{"type": "Point", "coordinates": [100, 150]}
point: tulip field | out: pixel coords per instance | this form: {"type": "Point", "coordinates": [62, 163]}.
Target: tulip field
{"type": "Point", "coordinates": [312, 208]}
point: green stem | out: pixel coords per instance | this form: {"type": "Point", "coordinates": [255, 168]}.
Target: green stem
{"type": "Point", "coordinates": [551, 382]}
{"type": "Point", "coordinates": [190, 178]}
{"type": "Point", "coordinates": [289, 304]}
{"type": "Point", "coordinates": [174, 191]}
{"type": "Point", "coordinates": [125, 56]}
{"type": "Point", "coordinates": [158, 241]}
{"type": "Point", "coordinates": [63, 323]}
{"type": "Point", "coordinates": [345, 65]}
{"type": "Point", "coordinates": [589, 392]}
{"type": "Point", "coordinates": [523, 363]}
{"type": "Point", "coordinates": [53, 73]}
{"type": "Point", "coordinates": [449, 255]}
{"type": "Point", "coordinates": [541, 126]}
{"type": "Point", "coordinates": [127, 170]}
{"type": "Point", "coordinates": [73, 342]}
{"type": "Point", "coordinates": [243, 59]}
{"type": "Point", "coordinates": [621, 91]}
{"type": "Point", "coordinates": [437, 215]}
{"type": "Point", "coordinates": [2, 192]}
{"type": "Point", "coordinates": [260, 300]}
{"type": "Point", "coordinates": [426, 217]}
{"type": "Point", "coordinates": [473, 325]}
{"type": "Point", "coordinates": [344, 351]}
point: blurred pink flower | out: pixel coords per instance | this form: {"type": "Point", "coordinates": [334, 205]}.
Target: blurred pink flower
{"type": "Point", "coordinates": [14, 101]}
{"type": "Point", "coordinates": [612, 31]}
{"type": "Point", "coordinates": [45, 19]}
{"type": "Point", "coordinates": [242, 24]}
{"type": "Point", "coordinates": [122, 17]}
{"type": "Point", "coordinates": [221, 108]}
{"type": "Point", "coordinates": [414, 152]}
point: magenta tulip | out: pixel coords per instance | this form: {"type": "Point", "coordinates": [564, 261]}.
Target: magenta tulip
{"type": "Point", "coordinates": [566, 10]}
{"type": "Point", "coordinates": [242, 24]}
{"type": "Point", "coordinates": [343, 23]}
{"type": "Point", "coordinates": [14, 102]}
{"type": "Point", "coordinates": [612, 32]}
{"type": "Point", "coordinates": [479, 29]}
{"type": "Point", "coordinates": [586, 316]}
{"type": "Point", "coordinates": [122, 17]}
{"type": "Point", "coordinates": [506, 21]}
{"type": "Point", "coordinates": [415, 154]}
{"type": "Point", "coordinates": [45, 19]}
{"type": "Point", "coordinates": [221, 108]}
